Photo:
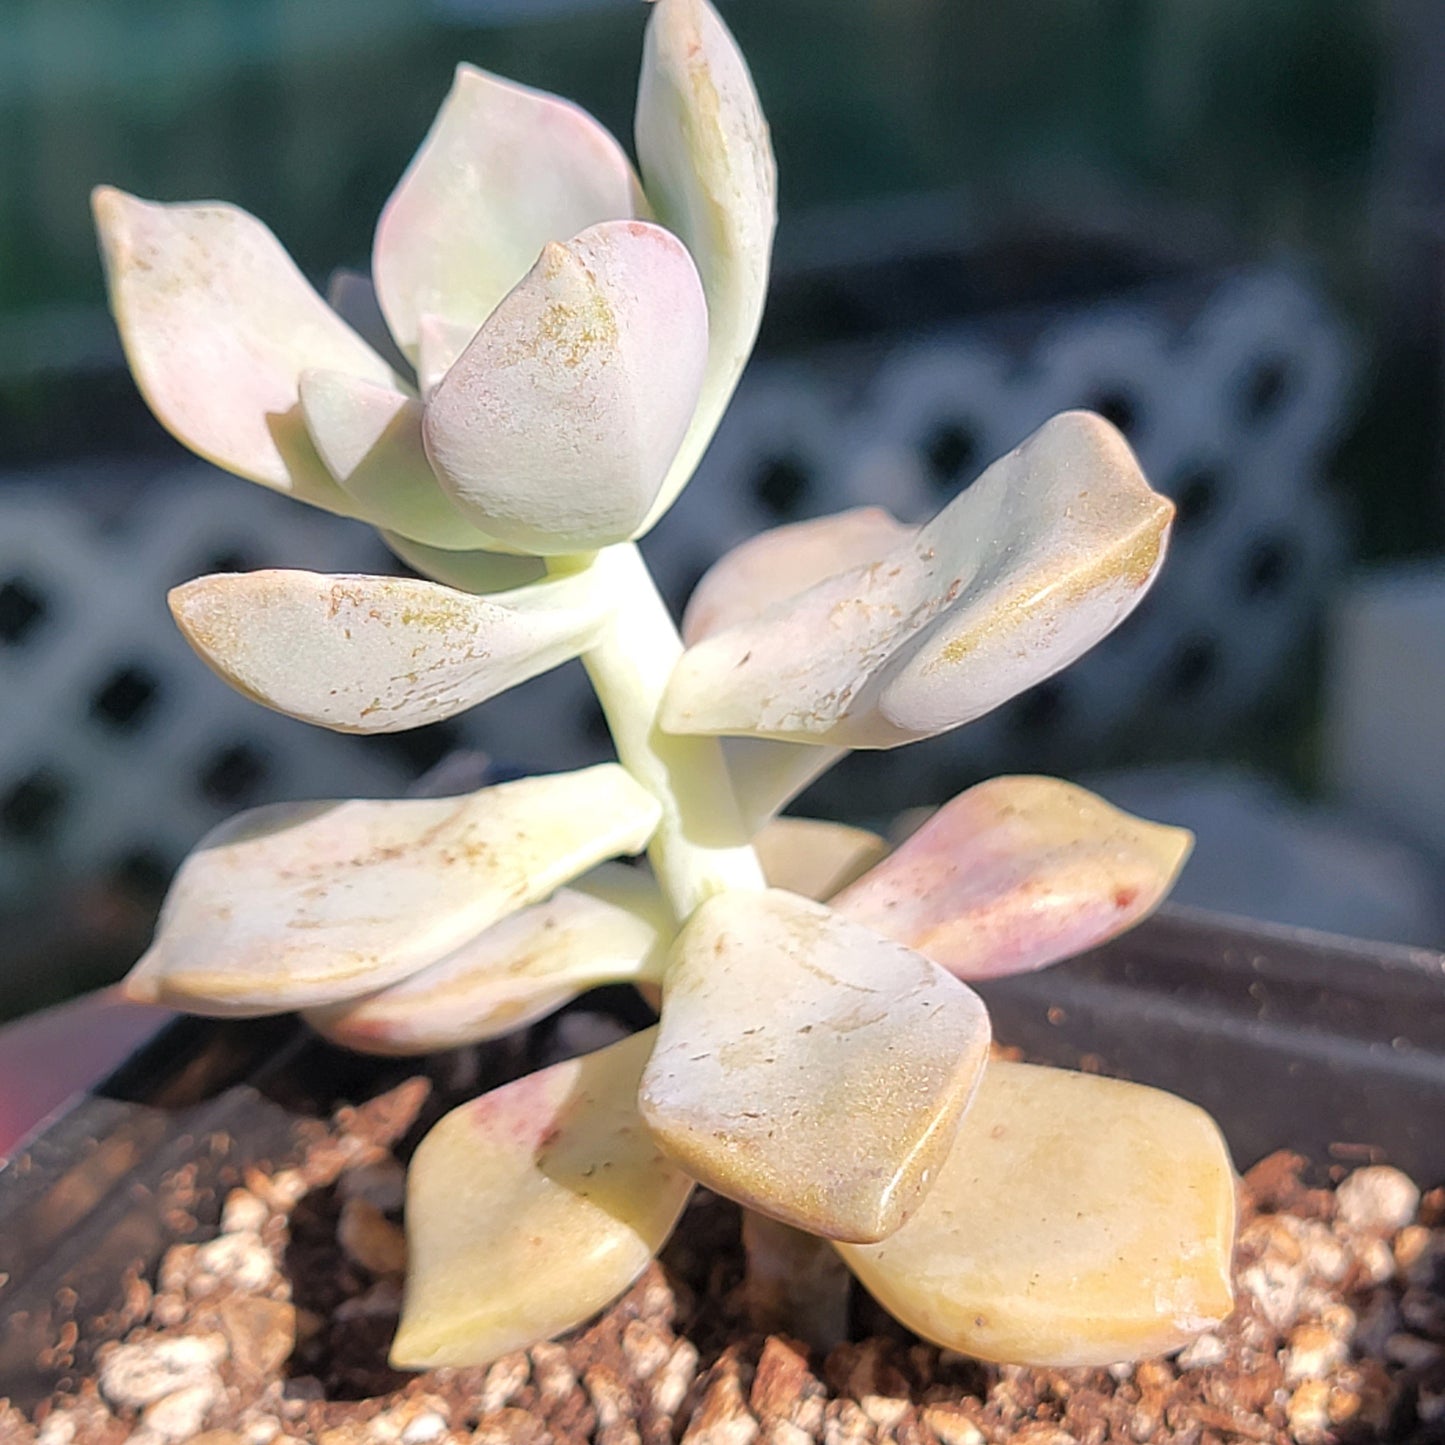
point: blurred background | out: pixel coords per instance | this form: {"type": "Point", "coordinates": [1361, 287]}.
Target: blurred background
{"type": "Point", "coordinates": [1220, 222]}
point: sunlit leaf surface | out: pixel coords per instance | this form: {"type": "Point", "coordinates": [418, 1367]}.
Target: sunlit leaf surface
{"type": "Point", "coordinates": [1018, 873]}
{"type": "Point", "coordinates": [299, 904]}
{"type": "Point", "coordinates": [531, 1208]}
{"type": "Point", "coordinates": [1078, 1221]}
{"type": "Point", "coordinates": [377, 654]}
{"type": "Point", "coordinates": [807, 1067]}
{"type": "Point", "coordinates": [612, 926]}
{"type": "Point", "coordinates": [1040, 558]}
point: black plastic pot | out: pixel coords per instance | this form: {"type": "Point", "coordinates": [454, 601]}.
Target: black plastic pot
{"type": "Point", "coordinates": [1291, 1039]}
{"type": "Point", "coordinates": [1329, 1047]}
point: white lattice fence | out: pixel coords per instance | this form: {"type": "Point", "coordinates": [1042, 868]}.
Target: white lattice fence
{"type": "Point", "coordinates": [117, 749]}
{"type": "Point", "coordinates": [1233, 413]}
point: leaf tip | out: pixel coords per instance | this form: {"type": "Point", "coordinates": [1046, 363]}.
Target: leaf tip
{"type": "Point", "coordinates": [139, 985]}
{"type": "Point", "coordinates": [115, 213]}
{"type": "Point", "coordinates": [187, 601]}
{"type": "Point", "coordinates": [412, 1348]}
{"type": "Point", "coordinates": [1175, 846]}
{"type": "Point", "coordinates": [108, 204]}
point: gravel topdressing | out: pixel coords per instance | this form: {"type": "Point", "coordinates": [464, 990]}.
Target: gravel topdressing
{"type": "Point", "coordinates": [276, 1330]}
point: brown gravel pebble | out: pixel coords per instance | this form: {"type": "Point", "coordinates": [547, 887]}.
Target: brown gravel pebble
{"type": "Point", "coordinates": [370, 1239]}
{"type": "Point", "coordinates": [261, 1333]}
{"type": "Point", "coordinates": [276, 1331]}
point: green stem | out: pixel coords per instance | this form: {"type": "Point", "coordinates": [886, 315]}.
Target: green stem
{"type": "Point", "coordinates": [795, 1283]}
{"type": "Point", "coordinates": [701, 847]}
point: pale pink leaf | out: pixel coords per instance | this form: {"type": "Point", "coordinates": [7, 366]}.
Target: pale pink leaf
{"type": "Point", "coordinates": [707, 159]}
{"type": "Point", "coordinates": [378, 654]}
{"type": "Point", "coordinates": [1038, 560]}
{"type": "Point", "coordinates": [503, 171]}
{"type": "Point", "coordinates": [554, 428]}
{"type": "Point", "coordinates": [776, 565]}
{"type": "Point", "coordinates": [1015, 874]}
{"type": "Point", "coordinates": [814, 857]}
{"type": "Point", "coordinates": [439, 342]}
{"type": "Point", "coordinates": [531, 1208]}
{"type": "Point", "coordinates": [218, 325]}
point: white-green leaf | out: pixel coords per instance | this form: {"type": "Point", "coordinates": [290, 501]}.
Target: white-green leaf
{"type": "Point", "coordinates": [555, 427]}
{"type": "Point", "coordinates": [301, 904]}
{"type": "Point", "coordinates": [1040, 558]}
{"type": "Point", "coordinates": [611, 926]}
{"type": "Point", "coordinates": [379, 654]}
{"type": "Point", "coordinates": [707, 160]}
{"type": "Point", "coordinates": [808, 1068]}
{"type": "Point", "coordinates": [476, 572]}
{"type": "Point", "coordinates": [369, 436]}
{"type": "Point", "coordinates": [531, 1208]}
{"type": "Point", "coordinates": [503, 171]}
{"type": "Point", "coordinates": [1078, 1221]}
{"type": "Point", "coordinates": [1015, 874]}
{"type": "Point", "coordinates": [767, 569]}
{"type": "Point", "coordinates": [218, 325]}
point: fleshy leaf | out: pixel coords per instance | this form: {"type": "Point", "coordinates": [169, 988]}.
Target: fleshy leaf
{"type": "Point", "coordinates": [772, 567]}
{"type": "Point", "coordinates": [778, 564]}
{"type": "Point", "coordinates": [612, 926]}
{"type": "Point", "coordinates": [1015, 874]}
{"type": "Point", "coordinates": [503, 171]}
{"type": "Point", "coordinates": [1040, 558]}
{"type": "Point", "coordinates": [531, 1208]}
{"type": "Point", "coordinates": [554, 428]}
{"type": "Point", "coordinates": [475, 572]}
{"type": "Point", "coordinates": [831, 1105]}
{"type": "Point", "coordinates": [300, 904]}
{"type": "Point", "coordinates": [814, 857]}
{"type": "Point", "coordinates": [218, 325]}
{"type": "Point", "coordinates": [369, 436]}
{"type": "Point", "coordinates": [378, 654]}
{"type": "Point", "coordinates": [704, 149]}
{"type": "Point", "coordinates": [1078, 1221]}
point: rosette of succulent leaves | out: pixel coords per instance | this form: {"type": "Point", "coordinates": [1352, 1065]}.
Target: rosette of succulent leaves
{"type": "Point", "coordinates": [562, 333]}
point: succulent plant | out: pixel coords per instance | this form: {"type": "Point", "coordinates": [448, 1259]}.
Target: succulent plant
{"type": "Point", "coordinates": [563, 339]}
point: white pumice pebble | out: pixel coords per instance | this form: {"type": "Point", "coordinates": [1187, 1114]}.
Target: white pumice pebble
{"type": "Point", "coordinates": [1378, 1197]}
